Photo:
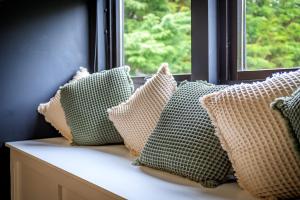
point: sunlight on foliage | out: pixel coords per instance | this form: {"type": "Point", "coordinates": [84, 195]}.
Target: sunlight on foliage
{"type": "Point", "coordinates": [157, 31]}
{"type": "Point", "coordinates": [273, 34]}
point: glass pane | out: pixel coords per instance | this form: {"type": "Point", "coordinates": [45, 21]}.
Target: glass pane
{"type": "Point", "coordinates": [157, 31]}
{"type": "Point", "coordinates": [272, 34]}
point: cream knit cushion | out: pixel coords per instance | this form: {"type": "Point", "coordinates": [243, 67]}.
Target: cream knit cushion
{"type": "Point", "coordinates": [256, 137]}
{"type": "Point", "coordinates": [53, 111]}
{"type": "Point", "coordinates": [136, 118]}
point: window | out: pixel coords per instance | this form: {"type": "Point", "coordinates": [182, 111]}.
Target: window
{"type": "Point", "coordinates": [145, 33]}
{"type": "Point", "coordinates": [263, 37]}
{"type": "Point", "coordinates": [157, 31]}
{"type": "Point", "coordinates": [272, 34]}
{"type": "Point", "coordinates": [215, 40]}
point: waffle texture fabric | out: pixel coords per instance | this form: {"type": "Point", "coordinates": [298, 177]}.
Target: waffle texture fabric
{"type": "Point", "coordinates": [136, 118]}
{"type": "Point", "coordinates": [289, 107]}
{"type": "Point", "coordinates": [53, 111]}
{"type": "Point", "coordinates": [184, 142]}
{"type": "Point", "coordinates": [256, 137]}
{"type": "Point", "coordinates": [86, 101]}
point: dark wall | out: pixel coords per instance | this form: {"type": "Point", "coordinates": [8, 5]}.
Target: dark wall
{"type": "Point", "coordinates": [42, 43]}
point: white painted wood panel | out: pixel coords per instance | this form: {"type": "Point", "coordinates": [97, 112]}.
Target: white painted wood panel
{"type": "Point", "coordinates": [52, 169]}
{"type": "Point", "coordinates": [33, 179]}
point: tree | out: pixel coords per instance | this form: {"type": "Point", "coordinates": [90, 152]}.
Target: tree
{"type": "Point", "coordinates": [273, 34]}
{"type": "Point", "coordinates": [157, 31]}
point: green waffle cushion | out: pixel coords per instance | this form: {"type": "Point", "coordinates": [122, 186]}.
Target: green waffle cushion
{"type": "Point", "coordinates": [86, 101]}
{"type": "Point", "coordinates": [289, 107]}
{"type": "Point", "coordinates": [184, 141]}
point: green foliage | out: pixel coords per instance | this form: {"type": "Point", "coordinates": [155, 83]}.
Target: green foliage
{"type": "Point", "coordinates": [273, 34]}
{"type": "Point", "coordinates": [157, 31]}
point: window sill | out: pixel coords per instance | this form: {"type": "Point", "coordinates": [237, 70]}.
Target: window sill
{"type": "Point", "coordinates": [139, 80]}
{"type": "Point", "coordinates": [260, 74]}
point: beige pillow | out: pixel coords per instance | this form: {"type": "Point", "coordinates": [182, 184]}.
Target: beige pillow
{"type": "Point", "coordinates": [53, 111]}
{"type": "Point", "coordinates": [136, 118]}
{"type": "Point", "coordinates": [255, 137]}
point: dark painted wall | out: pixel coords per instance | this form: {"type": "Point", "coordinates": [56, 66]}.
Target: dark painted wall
{"type": "Point", "coordinates": [42, 43]}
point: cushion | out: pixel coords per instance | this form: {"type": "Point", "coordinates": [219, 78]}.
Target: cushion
{"type": "Point", "coordinates": [289, 107]}
{"type": "Point", "coordinates": [136, 118]}
{"type": "Point", "coordinates": [53, 111]}
{"type": "Point", "coordinates": [184, 142]}
{"type": "Point", "coordinates": [86, 101]}
{"type": "Point", "coordinates": [256, 137]}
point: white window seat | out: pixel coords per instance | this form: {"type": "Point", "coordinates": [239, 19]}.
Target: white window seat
{"type": "Point", "coordinates": [51, 169]}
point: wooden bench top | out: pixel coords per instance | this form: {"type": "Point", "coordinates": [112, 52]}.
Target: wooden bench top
{"type": "Point", "coordinates": [110, 168]}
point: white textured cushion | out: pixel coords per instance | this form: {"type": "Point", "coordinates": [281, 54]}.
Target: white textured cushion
{"type": "Point", "coordinates": [256, 137]}
{"type": "Point", "coordinates": [136, 118]}
{"type": "Point", "coordinates": [53, 111]}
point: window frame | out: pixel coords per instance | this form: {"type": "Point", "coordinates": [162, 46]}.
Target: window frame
{"type": "Point", "coordinates": [229, 46]}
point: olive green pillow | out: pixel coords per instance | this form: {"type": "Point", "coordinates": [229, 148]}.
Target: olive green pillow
{"type": "Point", "coordinates": [289, 107]}
{"type": "Point", "coordinates": [184, 140]}
{"type": "Point", "coordinates": [86, 101]}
